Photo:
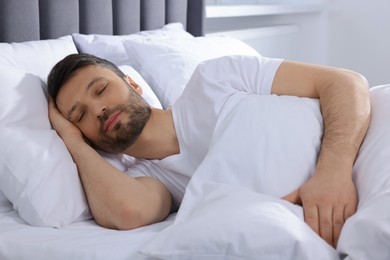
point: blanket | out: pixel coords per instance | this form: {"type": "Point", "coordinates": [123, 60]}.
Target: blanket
{"type": "Point", "coordinates": [263, 147]}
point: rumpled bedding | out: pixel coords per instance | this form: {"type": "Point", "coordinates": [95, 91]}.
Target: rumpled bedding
{"type": "Point", "coordinates": [231, 209]}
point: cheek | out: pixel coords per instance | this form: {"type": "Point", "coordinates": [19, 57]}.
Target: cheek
{"type": "Point", "coordinates": [120, 98]}
{"type": "Point", "coordinates": [90, 130]}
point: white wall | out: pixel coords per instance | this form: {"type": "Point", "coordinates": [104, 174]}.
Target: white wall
{"type": "Point", "coordinates": [359, 38]}
{"type": "Point", "coordinates": [305, 41]}
{"type": "Point", "coordinates": [356, 35]}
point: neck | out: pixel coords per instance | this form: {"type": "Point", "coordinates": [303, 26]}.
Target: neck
{"type": "Point", "coordinates": [158, 139]}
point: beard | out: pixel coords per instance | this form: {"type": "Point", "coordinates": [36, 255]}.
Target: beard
{"type": "Point", "coordinates": [124, 134]}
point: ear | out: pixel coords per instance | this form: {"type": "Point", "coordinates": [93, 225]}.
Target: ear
{"type": "Point", "coordinates": [133, 84]}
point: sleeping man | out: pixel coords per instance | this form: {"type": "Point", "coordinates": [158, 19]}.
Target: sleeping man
{"type": "Point", "coordinates": [94, 105]}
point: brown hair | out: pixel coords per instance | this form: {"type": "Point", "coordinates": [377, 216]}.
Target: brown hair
{"type": "Point", "coordinates": [67, 67]}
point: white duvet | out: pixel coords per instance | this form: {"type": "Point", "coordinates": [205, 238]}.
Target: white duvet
{"type": "Point", "coordinates": [231, 208]}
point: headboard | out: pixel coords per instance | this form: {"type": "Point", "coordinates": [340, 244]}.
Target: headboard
{"type": "Point", "coordinates": [26, 20]}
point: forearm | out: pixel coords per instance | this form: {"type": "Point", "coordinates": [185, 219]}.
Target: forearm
{"type": "Point", "coordinates": [345, 107]}
{"type": "Point", "coordinates": [115, 199]}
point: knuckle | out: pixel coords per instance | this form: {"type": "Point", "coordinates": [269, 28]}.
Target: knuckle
{"type": "Point", "coordinates": [311, 218]}
{"type": "Point", "coordinates": [327, 222]}
{"type": "Point", "coordinates": [338, 222]}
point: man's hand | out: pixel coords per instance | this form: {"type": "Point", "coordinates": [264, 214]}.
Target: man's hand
{"type": "Point", "coordinates": [328, 200]}
{"type": "Point", "coordinates": [329, 197]}
{"type": "Point", "coordinates": [66, 129]}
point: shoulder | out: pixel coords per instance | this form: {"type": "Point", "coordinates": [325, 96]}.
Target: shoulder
{"type": "Point", "coordinates": [235, 63]}
{"type": "Point", "coordinates": [229, 60]}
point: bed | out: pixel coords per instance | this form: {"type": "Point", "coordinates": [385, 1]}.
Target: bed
{"type": "Point", "coordinates": [43, 210]}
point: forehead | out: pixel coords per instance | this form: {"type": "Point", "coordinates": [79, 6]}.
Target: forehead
{"type": "Point", "coordinates": [86, 74]}
{"type": "Point", "coordinates": [82, 77]}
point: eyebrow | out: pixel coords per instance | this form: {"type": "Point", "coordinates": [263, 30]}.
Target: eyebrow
{"type": "Point", "coordinates": [75, 106]}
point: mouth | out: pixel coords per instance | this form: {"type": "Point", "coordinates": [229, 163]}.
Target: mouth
{"type": "Point", "coordinates": [111, 121]}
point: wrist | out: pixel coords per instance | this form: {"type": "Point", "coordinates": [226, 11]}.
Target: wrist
{"type": "Point", "coordinates": [73, 141]}
{"type": "Point", "coordinates": [334, 164]}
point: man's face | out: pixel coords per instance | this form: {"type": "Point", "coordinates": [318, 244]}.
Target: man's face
{"type": "Point", "coordinates": [106, 108]}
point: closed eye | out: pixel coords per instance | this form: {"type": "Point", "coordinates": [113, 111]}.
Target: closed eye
{"type": "Point", "coordinates": [102, 89]}
{"type": "Point", "coordinates": [81, 116]}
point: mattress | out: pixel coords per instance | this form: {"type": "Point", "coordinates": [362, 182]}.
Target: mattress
{"type": "Point", "coordinates": [78, 241]}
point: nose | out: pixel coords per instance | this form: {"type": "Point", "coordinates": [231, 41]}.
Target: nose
{"type": "Point", "coordinates": [100, 112]}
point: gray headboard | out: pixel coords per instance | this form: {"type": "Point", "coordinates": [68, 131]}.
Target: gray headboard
{"type": "Point", "coordinates": [26, 20]}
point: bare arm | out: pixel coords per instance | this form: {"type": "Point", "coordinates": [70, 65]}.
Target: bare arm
{"type": "Point", "coordinates": [115, 199]}
{"type": "Point", "coordinates": [329, 197]}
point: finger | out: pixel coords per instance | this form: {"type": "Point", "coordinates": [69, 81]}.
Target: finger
{"type": "Point", "coordinates": [349, 210]}
{"type": "Point", "coordinates": [293, 197]}
{"type": "Point", "coordinates": [311, 217]}
{"type": "Point", "coordinates": [50, 102]}
{"type": "Point", "coordinates": [53, 110]}
{"type": "Point", "coordinates": [338, 222]}
{"type": "Point", "coordinates": [326, 224]}
{"type": "Point", "coordinates": [52, 106]}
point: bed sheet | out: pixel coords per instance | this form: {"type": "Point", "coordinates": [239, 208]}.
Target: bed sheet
{"type": "Point", "coordinates": [78, 241]}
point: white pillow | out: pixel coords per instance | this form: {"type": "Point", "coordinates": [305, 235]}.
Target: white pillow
{"type": "Point", "coordinates": [366, 235]}
{"type": "Point", "coordinates": [227, 212]}
{"type": "Point", "coordinates": [5, 205]}
{"type": "Point", "coordinates": [36, 57]}
{"type": "Point", "coordinates": [110, 47]}
{"type": "Point", "coordinates": [372, 166]}
{"type": "Point", "coordinates": [37, 173]}
{"type": "Point", "coordinates": [168, 63]}
{"type": "Point", "coordinates": [147, 92]}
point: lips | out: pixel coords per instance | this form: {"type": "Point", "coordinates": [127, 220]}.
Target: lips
{"type": "Point", "coordinates": [111, 121]}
